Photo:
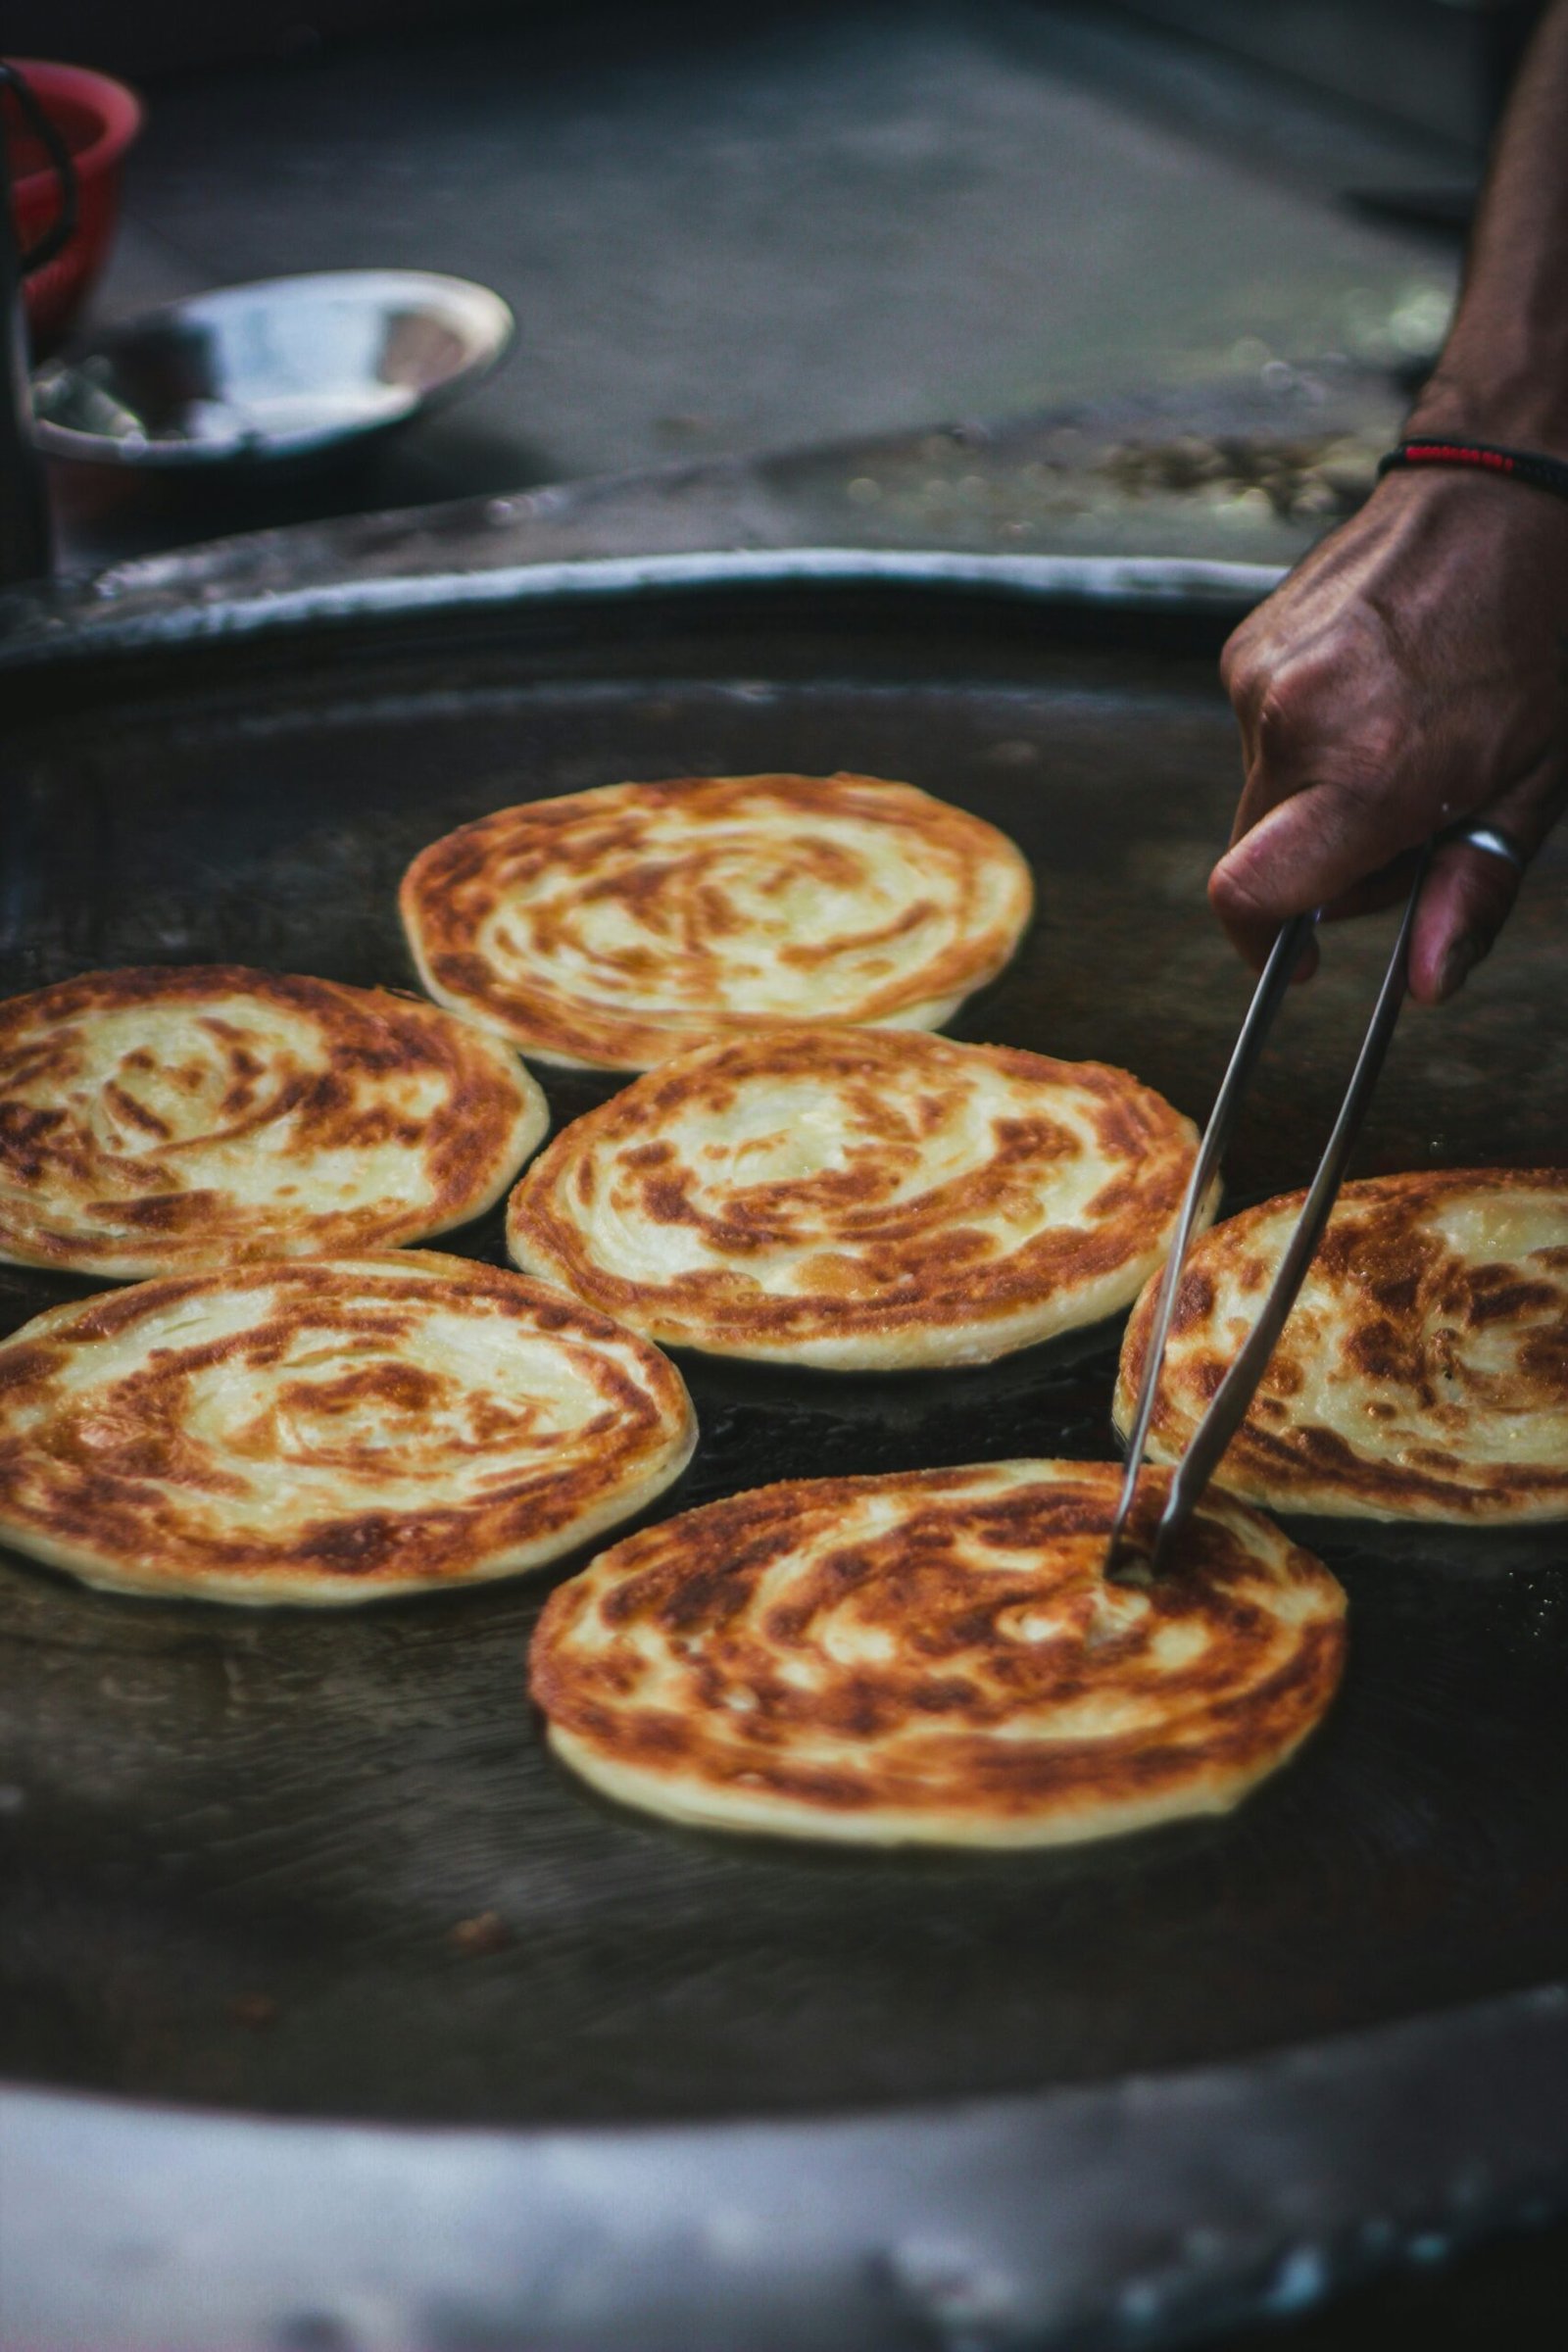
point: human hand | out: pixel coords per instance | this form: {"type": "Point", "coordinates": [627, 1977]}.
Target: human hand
{"type": "Point", "coordinates": [1412, 672]}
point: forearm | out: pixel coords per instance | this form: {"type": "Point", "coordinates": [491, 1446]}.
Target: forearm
{"type": "Point", "coordinates": [1503, 373]}
{"type": "Point", "coordinates": [1412, 672]}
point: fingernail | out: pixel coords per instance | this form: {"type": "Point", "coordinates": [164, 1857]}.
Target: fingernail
{"type": "Point", "coordinates": [1456, 967]}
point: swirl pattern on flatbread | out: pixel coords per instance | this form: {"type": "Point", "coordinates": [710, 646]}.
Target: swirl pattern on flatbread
{"type": "Point", "coordinates": [936, 1656]}
{"type": "Point", "coordinates": [859, 1199]}
{"type": "Point", "coordinates": [612, 928]}
{"type": "Point", "coordinates": [1423, 1373]}
{"type": "Point", "coordinates": [329, 1431]}
{"type": "Point", "coordinates": [165, 1120]}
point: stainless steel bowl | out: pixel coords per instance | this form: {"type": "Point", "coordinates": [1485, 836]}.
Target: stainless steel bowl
{"type": "Point", "coordinates": [286, 368]}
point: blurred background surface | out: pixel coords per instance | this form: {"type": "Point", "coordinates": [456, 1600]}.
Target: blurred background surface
{"type": "Point", "coordinates": [730, 235]}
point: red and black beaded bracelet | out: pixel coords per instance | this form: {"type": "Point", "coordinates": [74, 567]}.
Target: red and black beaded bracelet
{"type": "Point", "coordinates": [1521, 465]}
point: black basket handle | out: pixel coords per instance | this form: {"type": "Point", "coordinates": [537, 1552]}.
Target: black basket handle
{"type": "Point", "coordinates": [57, 236]}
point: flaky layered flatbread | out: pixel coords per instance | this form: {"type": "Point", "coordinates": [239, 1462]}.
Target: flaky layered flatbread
{"type": "Point", "coordinates": [1423, 1373]}
{"type": "Point", "coordinates": [614, 927]}
{"type": "Point", "coordinates": [167, 1119]}
{"type": "Point", "coordinates": [328, 1430]}
{"type": "Point", "coordinates": [936, 1656]}
{"type": "Point", "coordinates": [859, 1199]}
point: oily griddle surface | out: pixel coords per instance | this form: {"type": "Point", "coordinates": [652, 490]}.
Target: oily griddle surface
{"type": "Point", "coordinates": [244, 1847]}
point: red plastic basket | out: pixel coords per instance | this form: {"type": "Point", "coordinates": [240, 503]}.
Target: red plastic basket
{"type": "Point", "coordinates": [97, 118]}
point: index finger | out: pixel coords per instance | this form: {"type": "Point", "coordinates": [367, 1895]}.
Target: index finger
{"type": "Point", "coordinates": [1307, 850]}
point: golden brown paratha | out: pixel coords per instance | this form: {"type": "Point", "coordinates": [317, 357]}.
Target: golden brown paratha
{"type": "Point", "coordinates": [1423, 1373]}
{"type": "Point", "coordinates": [859, 1199]}
{"type": "Point", "coordinates": [936, 1656]}
{"type": "Point", "coordinates": [613, 928]}
{"type": "Point", "coordinates": [165, 1120]}
{"type": "Point", "coordinates": [328, 1430]}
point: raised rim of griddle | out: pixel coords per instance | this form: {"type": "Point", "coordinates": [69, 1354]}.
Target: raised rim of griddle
{"type": "Point", "coordinates": [312, 587]}
{"type": "Point", "coordinates": [1141, 2212]}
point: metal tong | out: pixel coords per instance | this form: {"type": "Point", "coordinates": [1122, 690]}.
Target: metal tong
{"type": "Point", "coordinates": [1124, 1560]}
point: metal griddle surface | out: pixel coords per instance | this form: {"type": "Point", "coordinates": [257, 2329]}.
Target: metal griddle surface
{"type": "Point", "coordinates": [242, 1844]}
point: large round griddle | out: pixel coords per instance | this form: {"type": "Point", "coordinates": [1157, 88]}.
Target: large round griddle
{"type": "Point", "coordinates": [708, 2090]}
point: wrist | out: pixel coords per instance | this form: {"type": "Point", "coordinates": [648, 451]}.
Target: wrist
{"type": "Point", "coordinates": [1513, 416]}
{"type": "Point", "coordinates": [1435, 517]}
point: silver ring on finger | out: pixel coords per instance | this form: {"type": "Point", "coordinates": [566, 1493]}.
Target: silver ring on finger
{"type": "Point", "coordinates": [1492, 841]}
